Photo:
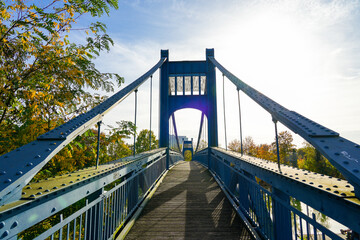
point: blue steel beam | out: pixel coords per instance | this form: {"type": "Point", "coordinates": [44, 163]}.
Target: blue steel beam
{"type": "Point", "coordinates": [18, 167]}
{"type": "Point", "coordinates": [331, 196]}
{"type": "Point", "coordinates": [342, 153]}
{"type": "Point", "coordinates": [20, 215]}
{"type": "Point", "coordinates": [200, 131]}
{"type": "Point", "coordinates": [175, 130]}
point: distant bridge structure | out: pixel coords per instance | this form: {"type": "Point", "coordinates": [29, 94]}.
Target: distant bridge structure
{"type": "Point", "coordinates": [260, 193]}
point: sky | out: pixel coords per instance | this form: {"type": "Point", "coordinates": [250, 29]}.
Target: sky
{"type": "Point", "coordinates": [304, 54]}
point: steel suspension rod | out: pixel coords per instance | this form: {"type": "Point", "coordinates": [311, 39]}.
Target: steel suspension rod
{"type": "Point", "coordinates": [241, 138]}
{"type": "Point", "coordinates": [150, 111]}
{"type": "Point", "coordinates": [277, 144]}
{"type": "Point", "coordinates": [224, 110]}
{"type": "Point", "coordinates": [98, 144]}
{"type": "Point", "coordinates": [135, 118]}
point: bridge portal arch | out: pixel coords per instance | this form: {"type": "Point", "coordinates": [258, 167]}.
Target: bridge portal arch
{"type": "Point", "coordinates": [188, 84]}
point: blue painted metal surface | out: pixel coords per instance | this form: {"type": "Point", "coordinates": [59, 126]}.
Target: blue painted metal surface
{"type": "Point", "coordinates": [18, 167]}
{"type": "Point", "coordinates": [332, 197]}
{"type": "Point", "coordinates": [79, 184]}
{"type": "Point", "coordinates": [200, 131]}
{"type": "Point", "coordinates": [269, 210]}
{"type": "Point", "coordinates": [187, 84]}
{"type": "Point", "coordinates": [342, 153]}
{"type": "Point", "coordinates": [112, 208]}
{"type": "Point", "coordinates": [175, 131]}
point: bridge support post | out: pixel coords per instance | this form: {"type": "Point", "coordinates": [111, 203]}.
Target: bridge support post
{"type": "Point", "coordinates": [211, 94]}
{"type": "Point", "coordinates": [209, 158]}
{"type": "Point", "coordinates": [95, 217]}
{"type": "Point", "coordinates": [164, 102]}
{"type": "Point", "coordinates": [167, 159]}
{"type": "Point", "coordinates": [281, 216]}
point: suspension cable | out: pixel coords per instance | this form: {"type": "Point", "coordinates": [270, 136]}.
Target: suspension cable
{"type": "Point", "coordinates": [224, 110]}
{"type": "Point", "coordinates": [135, 118]}
{"type": "Point", "coordinates": [150, 111]}
{"type": "Point", "coordinates": [277, 144]}
{"type": "Point", "coordinates": [98, 145]}
{"type": "Point", "coordinates": [241, 139]}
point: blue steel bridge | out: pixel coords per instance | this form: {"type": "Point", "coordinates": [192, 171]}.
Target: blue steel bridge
{"type": "Point", "coordinates": [215, 196]}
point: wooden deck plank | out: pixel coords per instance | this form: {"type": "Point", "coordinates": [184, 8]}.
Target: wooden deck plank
{"type": "Point", "coordinates": [188, 205]}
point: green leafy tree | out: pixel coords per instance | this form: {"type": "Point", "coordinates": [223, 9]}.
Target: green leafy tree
{"type": "Point", "coordinates": [43, 76]}
{"type": "Point", "coordinates": [311, 159]}
{"type": "Point", "coordinates": [286, 147]}
{"type": "Point", "coordinates": [142, 143]}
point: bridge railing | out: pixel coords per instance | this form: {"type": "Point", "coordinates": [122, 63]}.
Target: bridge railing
{"type": "Point", "coordinates": [262, 196]}
{"type": "Point", "coordinates": [24, 204]}
{"type": "Point", "coordinates": [342, 153]}
{"type": "Point", "coordinates": [104, 216]}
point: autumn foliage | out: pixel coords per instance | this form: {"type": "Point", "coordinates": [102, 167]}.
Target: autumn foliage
{"type": "Point", "coordinates": [306, 157]}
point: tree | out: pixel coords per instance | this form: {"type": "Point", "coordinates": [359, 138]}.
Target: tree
{"type": "Point", "coordinates": [249, 146]}
{"type": "Point", "coordinates": [43, 76]}
{"type": "Point", "coordinates": [142, 143]}
{"type": "Point", "coordinates": [265, 151]}
{"type": "Point", "coordinates": [286, 146]}
{"type": "Point", "coordinates": [202, 144]}
{"type": "Point", "coordinates": [235, 145]}
{"type": "Point", "coordinates": [311, 159]}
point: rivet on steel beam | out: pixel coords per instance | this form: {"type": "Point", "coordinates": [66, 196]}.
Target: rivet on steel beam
{"type": "Point", "coordinates": [5, 234]}
{"type": "Point", "coordinates": [2, 224]}
{"type": "Point", "coordinates": [29, 164]}
{"type": "Point", "coordinates": [7, 180]}
{"type": "Point", "coordinates": [356, 171]}
{"type": "Point", "coordinates": [53, 210]}
{"type": "Point", "coordinates": [47, 190]}
{"type": "Point", "coordinates": [39, 193]}
{"type": "Point", "coordinates": [19, 173]}
{"type": "Point", "coordinates": [32, 195]}
{"type": "Point", "coordinates": [2, 173]}
{"type": "Point", "coordinates": [15, 224]}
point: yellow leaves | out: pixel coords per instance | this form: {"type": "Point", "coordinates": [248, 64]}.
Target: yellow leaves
{"type": "Point", "coordinates": [69, 61]}
{"type": "Point", "coordinates": [3, 12]}
{"type": "Point", "coordinates": [32, 94]}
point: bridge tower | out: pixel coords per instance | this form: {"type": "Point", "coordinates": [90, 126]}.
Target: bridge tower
{"type": "Point", "coordinates": [188, 84]}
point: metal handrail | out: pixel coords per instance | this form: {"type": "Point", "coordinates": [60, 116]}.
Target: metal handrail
{"type": "Point", "coordinates": [342, 153]}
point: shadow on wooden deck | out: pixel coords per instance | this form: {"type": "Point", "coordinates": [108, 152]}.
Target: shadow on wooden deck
{"type": "Point", "coordinates": [188, 205]}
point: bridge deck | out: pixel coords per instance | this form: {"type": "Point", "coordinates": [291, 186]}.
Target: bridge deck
{"type": "Point", "coordinates": [188, 205]}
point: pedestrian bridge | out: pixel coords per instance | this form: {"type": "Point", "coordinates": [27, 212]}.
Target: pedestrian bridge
{"type": "Point", "coordinates": [221, 194]}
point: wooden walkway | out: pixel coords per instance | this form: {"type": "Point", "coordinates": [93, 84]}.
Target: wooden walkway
{"type": "Point", "coordinates": [188, 205]}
